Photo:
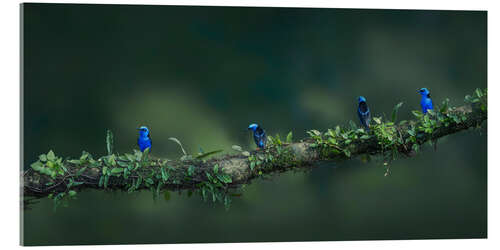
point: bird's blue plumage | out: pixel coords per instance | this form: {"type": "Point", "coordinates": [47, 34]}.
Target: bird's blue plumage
{"type": "Point", "coordinates": [144, 141]}
{"type": "Point", "coordinates": [364, 113]}
{"type": "Point", "coordinates": [259, 135]}
{"type": "Point", "coordinates": [425, 101]}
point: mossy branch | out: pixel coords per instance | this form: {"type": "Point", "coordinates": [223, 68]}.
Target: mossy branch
{"type": "Point", "coordinates": [214, 178]}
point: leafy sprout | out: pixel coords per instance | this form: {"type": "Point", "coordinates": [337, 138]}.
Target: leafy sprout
{"type": "Point", "coordinates": [109, 141]}
{"type": "Point", "coordinates": [179, 143]}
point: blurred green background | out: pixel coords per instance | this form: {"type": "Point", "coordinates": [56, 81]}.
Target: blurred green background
{"type": "Point", "coordinates": [202, 74]}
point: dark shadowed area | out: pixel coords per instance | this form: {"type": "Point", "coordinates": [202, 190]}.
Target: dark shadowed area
{"type": "Point", "coordinates": [202, 74]}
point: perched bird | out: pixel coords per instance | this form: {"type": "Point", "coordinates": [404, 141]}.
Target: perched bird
{"type": "Point", "coordinates": [144, 140]}
{"type": "Point", "coordinates": [426, 101]}
{"type": "Point", "coordinates": [364, 113]}
{"type": "Point", "coordinates": [259, 135]}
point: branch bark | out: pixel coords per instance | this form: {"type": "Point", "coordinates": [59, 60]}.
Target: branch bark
{"type": "Point", "coordinates": [192, 174]}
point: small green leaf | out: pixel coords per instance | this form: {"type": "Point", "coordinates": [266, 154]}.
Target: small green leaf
{"type": "Point", "coordinates": [209, 176]}
{"type": "Point", "coordinates": [101, 181]}
{"type": "Point", "coordinates": [72, 193]}
{"type": "Point", "coordinates": [411, 132]}
{"type": "Point", "coordinates": [112, 160]}
{"type": "Point", "coordinates": [216, 168]}
{"type": "Point", "coordinates": [252, 165]}
{"type": "Point", "coordinates": [191, 170]}
{"type": "Point", "coordinates": [479, 93]}
{"type": "Point", "coordinates": [395, 111]}
{"type": "Point", "coordinates": [347, 152]}
{"type": "Point", "coordinates": [80, 171]}
{"type": "Point", "coordinates": [164, 176]}
{"type": "Point", "coordinates": [74, 161]}
{"type": "Point", "coordinates": [417, 113]}
{"type": "Point", "coordinates": [138, 183]}
{"type": "Point", "coordinates": [224, 178]}
{"type": "Point", "coordinates": [245, 153]}
{"type": "Point", "coordinates": [236, 147]}
{"type": "Point", "coordinates": [106, 180]}
{"type": "Point", "coordinates": [365, 137]}
{"type": "Point", "coordinates": [104, 170]}
{"type": "Point", "coordinates": [330, 133]}
{"type": "Point", "coordinates": [204, 155]}
{"type": "Point", "coordinates": [85, 156]}
{"type": "Point", "coordinates": [122, 164]}
{"type": "Point", "coordinates": [315, 132]}
{"type": "Point", "coordinates": [43, 157]}
{"type": "Point", "coordinates": [37, 166]}
{"type": "Point", "coordinates": [178, 142]}
{"type": "Point", "coordinates": [116, 170]}
{"type": "Point", "coordinates": [444, 106]}
{"type": "Point", "coordinates": [337, 129]}
{"type": "Point", "coordinates": [426, 119]}
{"type": "Point", "coordinates": [109, 141]}
{"type": "Point", "coordinates": [51, 156]}
{"type": "Point", "coordinates": [130, 157]}
{"type": "Point", "coordinates": [415, 147]}
{"type": "Point", "coordinates": [289, 137]}
{"type": "Point", "coordinates": [125, 173]}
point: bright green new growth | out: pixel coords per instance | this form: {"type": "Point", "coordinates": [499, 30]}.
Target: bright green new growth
{"type": "Point", "coordinates": [49, 164]}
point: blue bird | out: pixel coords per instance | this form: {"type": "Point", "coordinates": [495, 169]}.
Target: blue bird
{"type": "Point", "coordinates": [144, 141]}
{"type": "Point", "coordinates": [259, 135]}
{"type": "Point", "coordinates": [426, 101]}
{"type": "Point", "coordinates": [364, 113]}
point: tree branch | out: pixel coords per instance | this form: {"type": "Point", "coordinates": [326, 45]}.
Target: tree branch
{"type": "Point", "coordinates": [216, 176]}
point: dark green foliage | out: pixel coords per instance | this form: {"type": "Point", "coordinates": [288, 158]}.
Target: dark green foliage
{"type": "Point", "coordinates": [49, 164]}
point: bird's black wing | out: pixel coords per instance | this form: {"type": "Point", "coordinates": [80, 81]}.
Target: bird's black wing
{"type": "Point", "coordinates": [364, 114]}
{"type": "Point", "coordinates": [363, 107]}
{"type": "Point", "coordinates": [260, 135]}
